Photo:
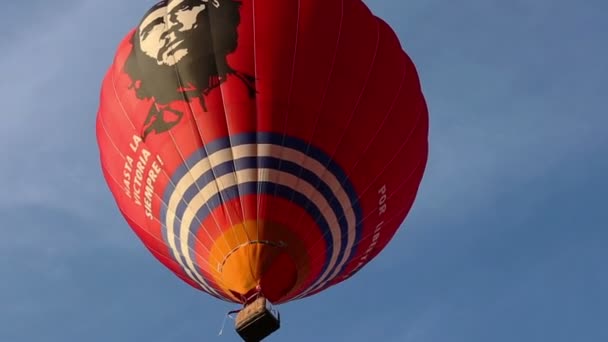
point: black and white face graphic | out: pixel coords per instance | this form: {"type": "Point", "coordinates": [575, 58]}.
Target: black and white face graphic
{"type": "Point", "coordinates": [180, 53]}
{"type": "Point", "coordinates": [164, 33]}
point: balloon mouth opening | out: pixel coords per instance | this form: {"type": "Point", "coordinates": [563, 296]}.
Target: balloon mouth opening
{"type": "Point", "coordinates": [259, 268]}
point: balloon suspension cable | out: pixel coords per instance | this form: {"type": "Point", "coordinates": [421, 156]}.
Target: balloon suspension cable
{"type": "Point", "coordinates": [228, 315]}
{"type": "Point", "coordinates": [257, 294]}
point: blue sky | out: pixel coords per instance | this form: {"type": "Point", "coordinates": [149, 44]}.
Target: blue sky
{"type": "Point", "coordinates": [506, 242]}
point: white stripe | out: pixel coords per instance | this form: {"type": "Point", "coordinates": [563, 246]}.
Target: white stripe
{"type": "Point", "coordinates": [262, 150]}
{"type": "Point", "coordinates": [190, 271]}
{"type": "Point", "coordinates": [189, 267]}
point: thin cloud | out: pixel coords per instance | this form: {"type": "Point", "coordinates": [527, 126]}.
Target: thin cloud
{"type": "Point", "coordinates": [511, 97]}
{"type": "Point", "coordinates": [51, 80]}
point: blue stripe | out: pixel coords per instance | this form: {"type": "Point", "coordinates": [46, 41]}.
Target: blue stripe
{"type": "Point", "coordinates": [265, 187]}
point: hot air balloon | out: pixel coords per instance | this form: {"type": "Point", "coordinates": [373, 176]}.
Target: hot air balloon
{"type": "Point", "coordinates": [262, 150]}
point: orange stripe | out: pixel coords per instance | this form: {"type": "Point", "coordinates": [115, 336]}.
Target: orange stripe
{"type": "Point", "coordinates": [267, 257]}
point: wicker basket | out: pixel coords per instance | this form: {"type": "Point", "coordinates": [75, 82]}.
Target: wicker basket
{"type": "Point", "coordinates": [256, 321]}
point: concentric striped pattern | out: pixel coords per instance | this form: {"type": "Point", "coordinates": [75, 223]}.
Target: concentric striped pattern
{"type": "Point", "coordinates": [272, 146]}
{"type": "Point", "coordinates": [264, 165]}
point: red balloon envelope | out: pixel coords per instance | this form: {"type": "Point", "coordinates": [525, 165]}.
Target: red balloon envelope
{"type": "Point", "coordinates": [266, 147]}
